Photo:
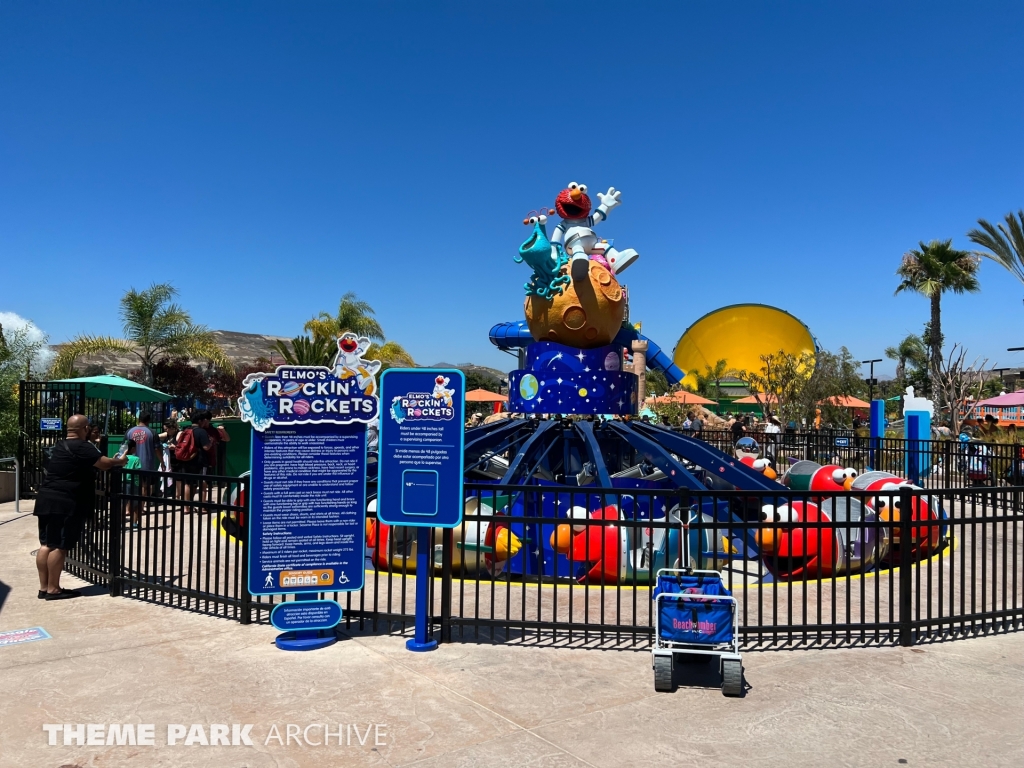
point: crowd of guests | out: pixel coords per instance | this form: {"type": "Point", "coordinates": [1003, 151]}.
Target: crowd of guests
{"type": "Point", "coordinates": [185, 444]}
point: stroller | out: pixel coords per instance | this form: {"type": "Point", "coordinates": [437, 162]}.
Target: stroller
{"type": "Point", "coordinates": [694, 615]}
{"type": "Point", "coordinates": [979, 465]}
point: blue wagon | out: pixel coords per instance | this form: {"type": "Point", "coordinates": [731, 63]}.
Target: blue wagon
{"type": "Point", "coordinates": [695, 615]}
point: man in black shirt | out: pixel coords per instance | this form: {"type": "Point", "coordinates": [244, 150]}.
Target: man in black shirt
{"type": "Point", "coordinates": [64, 502]}
{"type": "Point", "coordinates": [738, 428]}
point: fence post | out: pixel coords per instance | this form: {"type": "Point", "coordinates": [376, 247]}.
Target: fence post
{"type": "Point", "coordinates": [447, 535]}
{"type": "Point", "coordinates": [115, 530]}
{"type": "Point", "coordinates": [947, 459]}
{"type": "Point", "coordinates": [906, 567]}
{"type": "Point", "coordinates": [245, 601]}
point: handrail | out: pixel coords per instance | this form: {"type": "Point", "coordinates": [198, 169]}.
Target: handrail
{"type": "Point", "coordinates": [17, 482]}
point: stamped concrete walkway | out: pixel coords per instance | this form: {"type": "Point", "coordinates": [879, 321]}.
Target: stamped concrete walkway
{"type": "Point", "coordinates": [120, 661]}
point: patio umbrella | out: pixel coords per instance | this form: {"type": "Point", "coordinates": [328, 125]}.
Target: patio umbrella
{"type": "Point", "coordinates": [847, 401]}
{"type": "Point", "coordinates": [751, 400]}
{"type": "Point", "coordinates": [484, 396]}
{"type": "Point", "coordinates": [116, 388]}
{"type": "Point", "coordinates": [1009, 400]}
{"type": "Point", "coordinates": [684, 397]}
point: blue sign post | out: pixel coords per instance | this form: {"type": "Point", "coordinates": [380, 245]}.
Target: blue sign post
{"type": "Point", "coordinates": [877, 429]}
{"type": "Point", "coordinates": [307, 515]}
{"type": "Point", "coordinates": [51, 425]}
{"type": "Point", "coordinates": [421, 465]}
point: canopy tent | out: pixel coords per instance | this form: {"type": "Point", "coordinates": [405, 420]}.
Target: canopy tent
{"type": "Point", "coordinates": [116, 388]}
{"type": "Point", "coordinates": [484, 396]}
{"type": "Point", "coordinates": [847, 401]}
{"type": "Point", "coordinates": [1009, 400]}
{"type": "Point", "coordinates": [681, 397]}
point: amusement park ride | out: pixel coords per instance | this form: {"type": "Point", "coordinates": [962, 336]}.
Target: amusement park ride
{"type": "Point", "coordinates": [571, 403]}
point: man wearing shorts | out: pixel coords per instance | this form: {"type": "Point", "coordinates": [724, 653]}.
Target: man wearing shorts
{"type": "Point", "coordinates": [65, 502]}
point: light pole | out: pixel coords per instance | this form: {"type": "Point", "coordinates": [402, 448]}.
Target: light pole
{"type": "Point", "coordinates": [871, 380]}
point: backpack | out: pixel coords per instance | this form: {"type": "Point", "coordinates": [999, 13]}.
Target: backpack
{"type": "Point", "coordinates": [185, 445]}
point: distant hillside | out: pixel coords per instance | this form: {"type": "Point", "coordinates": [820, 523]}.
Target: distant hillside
{"type": "Point", "coordinates": [480, 370]}
{"type": "Point", "coordinates": [241, 349]}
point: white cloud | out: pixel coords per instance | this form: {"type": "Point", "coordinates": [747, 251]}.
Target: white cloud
{"type": "Point", "coordinates": [33, 333]}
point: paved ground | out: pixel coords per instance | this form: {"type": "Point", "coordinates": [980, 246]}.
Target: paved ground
{"type": "Point", "coordinates": [123, 661]}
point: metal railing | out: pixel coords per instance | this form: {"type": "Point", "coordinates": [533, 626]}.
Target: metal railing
{"type": "Point", "coordinates": [569, 565]}
{"type": "Point", "coordinates": [942, 463]}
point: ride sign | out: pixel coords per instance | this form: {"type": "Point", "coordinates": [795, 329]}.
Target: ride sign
{"type": "Point", "coordinates": [307, 514]}
{"type": "Point", "coordinates": [421, 447]}
{"type": "Point", "coordinates": [420, 466]}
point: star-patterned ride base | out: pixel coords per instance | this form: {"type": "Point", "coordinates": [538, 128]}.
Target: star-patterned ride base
{"type": "Point", "coordinates": [561, 379]}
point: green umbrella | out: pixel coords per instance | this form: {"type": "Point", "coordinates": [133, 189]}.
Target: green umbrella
{"type": "Point", "coordinates": [116, 388]}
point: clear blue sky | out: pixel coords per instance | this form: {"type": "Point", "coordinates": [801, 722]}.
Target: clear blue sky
{"type": "Point", "coordinates": [266, 158]}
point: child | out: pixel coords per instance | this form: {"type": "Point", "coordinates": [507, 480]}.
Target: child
{"type": "Point", "coordinates": [133, 485]}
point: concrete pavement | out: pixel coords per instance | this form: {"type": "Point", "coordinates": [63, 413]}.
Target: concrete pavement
{"type": "Point", "coordinates": [120, 661]}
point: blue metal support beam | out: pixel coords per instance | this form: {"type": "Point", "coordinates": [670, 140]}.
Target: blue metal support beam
{"type": "Point", "coordinates": [586, 430]}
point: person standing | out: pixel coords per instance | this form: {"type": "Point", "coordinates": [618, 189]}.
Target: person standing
{"type": "Point", "coordinates": [737, 428]}
{"type": "Point", "coordinates": [696, 424]}
{"type": "Point", "coordinates": [146, 447]}
{"type": "Point", "coordinates": [65, 501]}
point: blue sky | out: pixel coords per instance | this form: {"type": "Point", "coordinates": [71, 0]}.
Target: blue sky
{"type": "Point", "coordinates": [266, 158]}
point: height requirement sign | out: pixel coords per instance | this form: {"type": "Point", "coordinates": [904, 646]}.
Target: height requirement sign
{"type": "Point", "coordinates": [421, 447]}
{"type": "Point", "coordinates": [307, 515]}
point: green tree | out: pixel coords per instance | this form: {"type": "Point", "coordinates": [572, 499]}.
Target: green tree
{"type": "Point", "coordinates": [155, 329]}
{"type": "Point", "coordinates": [17, 350]}
{"type": "Point", "coordinates": [777, 384]}
{"type": "Point", "coordinates": [1005, 242]}
{"type": "Point", "coordinates": [708, 382]}
{"type": "Point", "coordinates": [304, 350]}
{"type": "Point", "coordinates": [356, 316]}
{"type": "Point", "coordinates": [935, 269]}
{"type": "Point", "coordinates": [909, 352]}
{"type": "Point", "coordinates": [477, 380]}
{"type": "Point", "coordinates": [836, 374]}
{"type": "Point", "coordinates": [657, 384]}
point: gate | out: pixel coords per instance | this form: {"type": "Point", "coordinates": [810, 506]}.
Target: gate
{"type": "Point", "coordinates": [40, 400]}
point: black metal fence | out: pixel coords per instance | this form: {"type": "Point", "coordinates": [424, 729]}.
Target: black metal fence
{"type": "Point", "coordinates": [571, 565]}
{"type": "Point", "coordinates": [942, 463]}
{"type": "Point", "coordinates": [40, 400]}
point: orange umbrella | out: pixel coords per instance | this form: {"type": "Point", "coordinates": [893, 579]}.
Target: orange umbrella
{"type": "Point", "coordinates": [682, 397]}
{"type": "Point", "coordinates": [483, 396]}
{"type": "Point", "coordinates": [846, 401]}
{"type": "Point", "coordinates": [751, 400]}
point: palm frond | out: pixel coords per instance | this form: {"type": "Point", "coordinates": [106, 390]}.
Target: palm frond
{"type": "Point", "coordinates": [392, 353]}
{"type": "Point", "coordinates": [197, 343]}
{"type": "Point", "coordinates": [306, 351]}
{"type": "Point", "coordinates": [82, 346]}
{"type": "Point", "coordinates": [1005, 244]}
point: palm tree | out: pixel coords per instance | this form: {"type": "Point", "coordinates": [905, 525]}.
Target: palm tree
{"type": "Point", "coordinates": [355, 316]}
{"type": "Point", "coordinates": [932, 271]}
{"type": "Point", "coordinates": [912, 351]}
{"type": "Point", "coordinates": [1004, 242]}
{"type": "Point", "coordinates": [708, 383]}
{"type": "Point", "coordinates": [155, 328]}
{"type": "Point", "coordinates": [307, 351]}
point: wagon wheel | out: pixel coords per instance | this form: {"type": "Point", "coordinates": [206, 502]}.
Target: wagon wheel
{"type": "Point", "coordinates": [663, 678]}
{"type": "Point", "coordinates": [732, 678]}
